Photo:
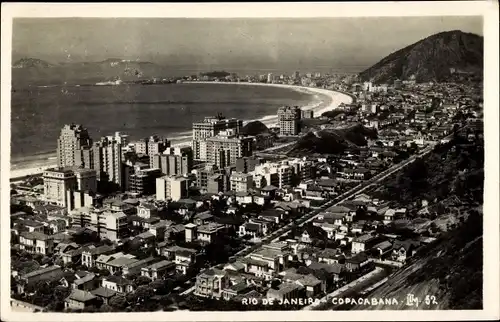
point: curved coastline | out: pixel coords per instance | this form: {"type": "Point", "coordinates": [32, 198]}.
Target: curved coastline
{"type": "Point", "coordinates": [324, 100]}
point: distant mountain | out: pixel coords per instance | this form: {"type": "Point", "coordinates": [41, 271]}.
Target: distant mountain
{"type": "Point", "coordinates": [31, 63]}
{"type": "Point", "coordinates": [332, 141]}
{"type": "Point", "coordinates": [254, 128]}
{"type": "Point", "coordinates": [83, 72]}
{"type": "Point", "coordinates": [216, 74]}
{"type": "Point", "coordinates": [431, 59]}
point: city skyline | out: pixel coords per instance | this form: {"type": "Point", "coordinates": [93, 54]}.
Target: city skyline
{"type": "Point", "coordinates": [258, 43]}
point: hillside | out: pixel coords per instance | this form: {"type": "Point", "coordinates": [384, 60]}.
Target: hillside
{"type": "Point", "coordinates": [451, 270]}
{"type": "Point", "coordinates": [451, 178]}
{"type": "Point", "coordinates": [254, 128]}
{"type": "Point", "coordinates": [216, 74]}
{"type": "Point", "coordinates": [430, 59]}
{"type": "Point", "coordinates": [332, 141]}
{"type": "Point", "coordinates": [82, 72]}
{"type": "Point", "coordinates": [31, 63]}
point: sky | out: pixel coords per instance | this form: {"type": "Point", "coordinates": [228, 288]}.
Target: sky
{"type": "Point", "coordinates": [241, 42]}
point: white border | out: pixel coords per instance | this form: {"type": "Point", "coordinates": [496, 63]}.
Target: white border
{"type": "Point", "coordinates": [487, 9]}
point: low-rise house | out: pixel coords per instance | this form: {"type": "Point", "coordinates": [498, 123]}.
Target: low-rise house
{"type": "Point", "coordinates": [118, 284]}
{"type": "Point", "coordinates": [233, 291]}
{"type": "Point", "coordinates": [36, 242]}
{"type": "Point", "coordinates": [402, 250]}
{"type": "Point", "coordinates": [312, 285]}
{"type": "Point", "coordinates": [158, 270]}
{"type": "Point", "coordinates": [53, 272]}
{"type": "Point", "coordinates": [328, 272]}
{"type": "Point", "coordinates": [267, 261]}
{"type": "Point", "coordinates": [33, 226]}
{"type": "Point", "coordinates": [91, 253]}
{"type": "Point", "coordinates": [203, 218]}
{"type": "Point", "coordinates": [78, 300]}
{"type": "Point", "coordinates": [235, 267]}
{"type": "Point", "coordinates": [57, 226]}
{"type": "Point", "coordinates": [209, 232]}
{"type": "Point", "coordinates": [146, 239]}
{"type": "Point", "coordinates": [115, 262]}
{"type": "Point", "coordinates": [147, 210]}
{"type": "Point", "coordinates": [103, 293]}
{"type": "Point", "coordinates": [184, 258]}
{"type": "Point", "coordinates": [357, 262]}
{"type": "Point", "coordinates": [331, 256]}
{"type": "Point", "coordinates": [211, 283]}
{"type": "Point", "coordinates": [85, 283]}
{"type": "Point", "coordinates": [363, 243]}
{"type": "Point", "coordinates": [250, 229]}
{"type": "Point", "coordinates": [133, 268]}
{"type": "Point", "coordinates": [383, 248]}
{"type": "Point", "coordinates": [311, 233]}
{"type": "Point", "coordinates": [286, 291]}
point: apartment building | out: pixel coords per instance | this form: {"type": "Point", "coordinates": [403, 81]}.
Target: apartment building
{"type": "Point", "coordinates": [171, 188]}
{"type": "Point", "coordinates": [289, 120]}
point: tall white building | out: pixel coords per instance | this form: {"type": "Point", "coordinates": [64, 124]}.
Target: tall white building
{"type": "Point", "coordinates": [289, 120]}
{"type": "Point", "coordinates": [171, 188]}
{"type": "Point", "coordinates": [223, 149]}
{"type": "Point", "coordinates": [209, 127]}
{"type": "Point", "coordinates": [56, 184]}
{"type": "Point", "coordinates": [107, 160]}
{"type": "Point", "coordinates": [72, 140]}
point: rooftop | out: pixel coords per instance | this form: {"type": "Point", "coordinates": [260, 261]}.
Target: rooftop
{"type": "Point", "coordinates": [81, 296]}
{"type": "Point", "coordinates": [117, 279]}
{"type": "Point", "coordinates": [41, 271]}
{"type": "Point", "coordinates": [103, 292]}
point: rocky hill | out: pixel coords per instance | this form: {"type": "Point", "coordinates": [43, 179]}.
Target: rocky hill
{"type": "Point", "coordinates": [31, 63]}
{"type": "Point", "coordinates": [82, 72]}
{"type": "Point", "coordinates": [435, 58]}
{"type": "Point", "coordinates": [332, 141]}
{"type": "Point", "coordinates": [254, 128]}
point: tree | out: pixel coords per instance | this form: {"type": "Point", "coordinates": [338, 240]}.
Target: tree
{"type": "Point", "coordinates": [142, 280]}
{"type": "Point", "coordinates": [118, 302]}
{"type": "Point", "coordinates": [144, 293]}
{"type": "Point", "coordinates": [105, 308]}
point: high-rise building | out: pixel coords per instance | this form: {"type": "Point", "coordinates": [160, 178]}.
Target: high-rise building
{"type": "Point", "coordinates": [289, 120]}
{"type": "Point", "coordinates": [247, 164]}
{"type": "Point", "coordinates": [143, 181]}
{"type": "Point", "coordinates": [72, 140]}
{"type": "Point", "coordinates": [270, 78]}
{"type": "Point", "coordinates": [108, 224]}
{"type": "Point", "coordinates": [106, 160]}
{"type": "Point", "coordinates": [171, 188]}
{"type": "Point", "coordinates": [241, 182]}
{"type": "Point", "coordinates": [152, 145]}
{"type": "Point", "coordinates": [56, 184]}
{"type": "Point", "coordinates": [174, 161]}
{"type": "Point", "coordinates": [86, 180]}
{"type": "Point", "coordinates": [223, 149]}
{"type": "Point", "coordinates": [209, 127]}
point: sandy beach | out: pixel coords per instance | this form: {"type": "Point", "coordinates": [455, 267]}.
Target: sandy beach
{"type": "Point", "coordinates": [324, 100]}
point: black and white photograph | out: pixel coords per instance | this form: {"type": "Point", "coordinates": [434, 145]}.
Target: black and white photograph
{"type": "Point", "coordinates": [183, 164]}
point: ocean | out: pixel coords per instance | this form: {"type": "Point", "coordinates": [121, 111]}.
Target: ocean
{"type": "Point", "coordinates": [38, 113]}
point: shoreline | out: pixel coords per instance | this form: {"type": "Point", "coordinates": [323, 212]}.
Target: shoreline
{"type": "Point", "coordinates": [323, 100]}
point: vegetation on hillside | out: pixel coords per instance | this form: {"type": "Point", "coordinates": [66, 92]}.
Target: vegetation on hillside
{"type": "Point", "coordinates": [254, 128]}
{"type": "Point", "coordinates": [431, 59]}
{"type": "Point", "coordinates": [332, 141]}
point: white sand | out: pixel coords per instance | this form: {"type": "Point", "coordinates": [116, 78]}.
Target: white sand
{"type": "Point", "coordinates": [319, 106]}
